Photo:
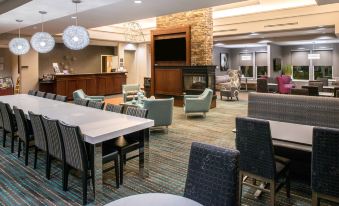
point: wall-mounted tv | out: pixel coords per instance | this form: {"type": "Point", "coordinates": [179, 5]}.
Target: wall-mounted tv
{"type": "Point", "coordinates": [170, 49]}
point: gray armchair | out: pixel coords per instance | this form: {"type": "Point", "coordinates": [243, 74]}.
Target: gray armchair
{"type": "Point", "coordinates": [130, 90]}
{"type": "Point", "coordinates": [160, 110]}
{"type": "Point", "coordinates": [198, 103]}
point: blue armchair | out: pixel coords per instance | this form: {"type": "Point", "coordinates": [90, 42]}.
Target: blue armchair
{"type": "Point", "coordinates": [160, 110]}
{"type": "Point", "coordinates": [198, 103]}
{"type": "Point", "coordinates": [80, 94]}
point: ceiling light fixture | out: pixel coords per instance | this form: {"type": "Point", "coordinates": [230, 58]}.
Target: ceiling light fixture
{"type": "Point", "coordinates": [42, 42]}
{"type": "Point", "coordinates": [76, 37]}
{"type": "Point", "coordinates": [137, 2]}
{"type": "Point", "coordinates": [254, 34]}
{"type": "Point", "coordinates": [18, 45]}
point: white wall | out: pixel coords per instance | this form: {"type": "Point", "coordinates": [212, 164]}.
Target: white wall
{"type": "Point", "coordinates": [29, 76]}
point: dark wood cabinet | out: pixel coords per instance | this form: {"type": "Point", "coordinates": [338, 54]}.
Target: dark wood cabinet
{"type": "Point", "coordinates": [92, 84]}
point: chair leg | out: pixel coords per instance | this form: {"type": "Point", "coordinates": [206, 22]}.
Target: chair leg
{"type": "Point", "coordinates": [272, 193]}
{"type": "Point", "coordinates": [117, 172]}
{"type": "Point", "coordinates": [35, 156]}
{"type": "Point", "coordinates": [19, 148]}
{"type": "Point", "coordinates": [48, 166]}
{"type": "Point", "coordinates": [121, 169]}
{"type": "Point", "coordinates": [84, 187]}
{"type": "Point", "coordinates": [288, 185]}
{"type": "Point", "coordinates": [65, 176]}
{"type": "Point", "coordinates": [315, 199]}
{"type": "Point", "coordinates": [240, 187]}
{"type": "Point", "coordinates": [26, 152]}
{"type": "Point", "coordinates": [12, 142]}
{"type": "Point", "coordinates": [4, 139]}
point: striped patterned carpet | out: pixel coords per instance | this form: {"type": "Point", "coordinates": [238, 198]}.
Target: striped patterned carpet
{"type": "Point", "coordinates": [20, 185]}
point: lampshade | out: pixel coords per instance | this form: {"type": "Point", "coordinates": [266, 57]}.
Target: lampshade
{"type": "Point", "coordinates": [19, 46]}
{"type": "Point", "coordinates": [42, 42]}
{"type": "Point", "coordinates": [75, 37]}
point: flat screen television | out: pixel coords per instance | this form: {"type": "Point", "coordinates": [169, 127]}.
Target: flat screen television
{"type": "Point", "coordinates": [170, 49]}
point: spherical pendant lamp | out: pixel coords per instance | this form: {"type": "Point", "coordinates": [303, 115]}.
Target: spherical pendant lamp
{"type": "Point", "coordinates": [18, 45]}
{"type": "Point", "coordinates": [76, 37]}
{"type": "Point", "coordinates": [42, 42]}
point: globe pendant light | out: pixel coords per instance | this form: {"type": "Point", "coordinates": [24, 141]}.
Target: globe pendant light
{"type": "Point", "coordinates": [19, 46]}
{"type": "Point", "coordinates": [76, 37]}
{"type": "Point", "coordinates": [42, 42]}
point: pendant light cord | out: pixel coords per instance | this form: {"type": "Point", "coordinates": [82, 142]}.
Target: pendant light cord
{"type": "Point", "coordinates": [42, 23]}
{"type": "Point", "coordinates": [76, 14]}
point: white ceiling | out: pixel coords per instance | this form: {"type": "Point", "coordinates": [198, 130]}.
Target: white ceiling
{"type": "Point", "coordinates": [95, 13]}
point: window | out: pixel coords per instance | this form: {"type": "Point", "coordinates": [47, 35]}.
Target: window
{"type": "Point", "coordinates": [301, 72]}
{"type": "Point", "coordinates": [247, 71]}
{"type": "Point", "coordinates": [261, 71]}
{"type": "Point", "coordinates": [322, 72]}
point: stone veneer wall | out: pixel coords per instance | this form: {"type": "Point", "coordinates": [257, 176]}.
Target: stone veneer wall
{"type": "Point", "coordinates": [201, 23]}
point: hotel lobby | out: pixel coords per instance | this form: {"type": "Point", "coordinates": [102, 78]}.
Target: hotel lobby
{"type": "Point", "coordinates": [173, 102]}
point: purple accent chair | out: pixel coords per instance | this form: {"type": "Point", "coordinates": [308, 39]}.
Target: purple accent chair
{"type": "Point", "coordinates": [284, 84]}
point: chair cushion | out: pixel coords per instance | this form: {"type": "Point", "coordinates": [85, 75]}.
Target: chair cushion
{"type": "Point", "coordinates": [132, 92]}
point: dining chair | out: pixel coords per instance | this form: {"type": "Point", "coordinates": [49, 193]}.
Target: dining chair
{"type": "Point", "coordinates": [40, 94]}
{"type": "Point", "coordinates": [335, 92]}
{"type": "Point", "coordinates": [96, 105]}
{"type": "Point", "coordinates": [50, 96]}
{"type": "Point", "coordinates": [24, 131]}
{"type": "Point", "coordinates": [10, 127]}
{"type": "Point", "coordinates": [114, 108]}
{"type": "Point", "coordinates": [32, 92]}
{"type": "Point", "coordinates": [61, 98]}
{"type": "Point", "coordinates": [40, 140]}
{"type": "Point", "coordinates": [312, 90]}
{"type": "Point", "coordinates": [55, 144]}
{"type": "Point", "coordinates": [257, 159]}
{"type": "Point", "coordinates": [325, 165]}
{"type": "Point", "coordinates": [212, 176]}
{"type": "Point", "coordinates": [128, 143]}
{"type": "Point", "coordinates": [2, 130]}
{"type": "Point", "coordinates": [262, 85]}
{"type": "Point", "coordinates": [82, 102]}
{"type": "Point", "coordinates": [76, 157]}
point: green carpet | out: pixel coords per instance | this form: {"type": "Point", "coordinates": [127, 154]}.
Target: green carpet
{"type": "Point", "coordinates": [169, 153]}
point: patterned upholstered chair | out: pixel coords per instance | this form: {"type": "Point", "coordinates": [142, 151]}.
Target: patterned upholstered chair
{"type": "Point", "coordinates": [312, 90]}
{"type": "Point", "coordinates": [24, 131]}
{"type": "Point", "coordinates": [96, 105]}
{"type": "Point", "coordinates": [80, 94]}
{"type": "Point", "coordinates": [318, 84]}
{"type": "Point", "coordinates": [257, 159]}
{"type": "Point", "coordinates": [129, 91]}
{"type": "Point", "coordinates": [40, 140]}
{"type": "Point", "coordinates": [160, 110]}
{"type": "Point", "coordinates": [114, 108]}
{"type": "Point", "coordinates": [325, 165]}
{"type": "Point", "coordinates": [81, 102]}
{"type": "Point", "coordinates": [55, 144]}
{"type": "Point", "coordinates": [32, 92]}
{"type": "Point", "coordinates": [262, 85]}
{"type": "Point", "coordinates": [76, 157]}
{"type": "Point", "coordinates": [61, 98]}
{"type": "Point", "coordinates": [212, 176]}
{"type": "Point", "coordinates": [10, 127]}
{"type": "Point", "coordinates": [198, 103]}
{"type": "Point", "coordinates": [231, 88]}
{"type": "Point", "coordinates": [50, 96]}
{"type": "Point", "coordinates": [41, 94]}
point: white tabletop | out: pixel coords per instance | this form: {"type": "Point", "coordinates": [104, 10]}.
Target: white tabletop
{"type": "Point", "coordinates": [154, 199]}
{"type": "Point", "coordinates": [96, 125]}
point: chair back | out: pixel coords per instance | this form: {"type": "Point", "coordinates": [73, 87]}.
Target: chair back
{"type": "Point", "coordinates": [323, 80]}
{"type": "Point", "coordinates": [40, 94]}
{"type": "Point", "coordinates": [75, 151]}
{"type": "Point", "coordinates": [22, 124]}
{"type": "Point", "coordinates": [79, 94]}
{"type": "Point", "coordinates": [160, 110]}
{"type": "Point", "coordinates": [31, 92]}
{"type": "Point", "coordinates": [136, 112]}
{"type": "Point", "coordinates": [50, 96]}
{"type": "Point", "coordinates": [312, 90]}
{"type": "Point", "coordinates": [325, 163]}
{"type": "Point", "coordinates": [39, 132]}
{"type": "Point", "coordinates": [262, 85]}
{"type": "Point", "coordinates": [254, 141]}
{"type": "Point", "coordinates": [1, 120]}
{"type": "Point", "coordinates": [114, 108]}
{"type": "Point", "coordinates": [82, 102]}
{"type": "Point", "coordinates": [130, 87]}
{"type": "Point", "coordinates": [318, 84]}
{"type": "Point", "coordinates": [96, 105]}
{"type": "Point", "coordinates": [335, 91]}
{"type": "Point", "coordinates": [212, 176]}
{"type": "Point", "coordinates": [54, 138]}
{"type": "Point", "coordinates": [9, 124]}
{"type": "Point", "coordinates": [61, 98]}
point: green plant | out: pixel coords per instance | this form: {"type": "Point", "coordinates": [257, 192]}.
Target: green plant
{"type": "Point", "coordinates": [287, 70]}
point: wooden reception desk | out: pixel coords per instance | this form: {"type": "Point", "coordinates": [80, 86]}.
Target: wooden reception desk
{"type": "Point", "coordinates": [92, 84]}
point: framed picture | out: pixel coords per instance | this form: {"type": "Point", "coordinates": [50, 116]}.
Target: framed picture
{"type": "Point", "coordinates": [56, 68]}
{"type": "Point", "coordinates": [276, 64]}
{"type": "Point", "coordinates": [224, 61]}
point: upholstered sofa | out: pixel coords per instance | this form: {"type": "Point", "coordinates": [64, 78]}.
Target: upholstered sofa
{"type": "Point", "coordinates": [198, 103]}
{"type": "Point", "coordinates": [129, 91]}
{"type": "Point", "coordinates": [284, 84]}
{"type": "Point", "coordinates": [80, 94]}
{"type": "Point", "coordinates": [160, 110]}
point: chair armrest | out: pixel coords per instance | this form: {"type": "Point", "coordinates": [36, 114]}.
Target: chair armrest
{"type": "Point", "coordinates": [195, 105]}
{"type": "Point", "coordinates": [190, 96]}
{"type": "Point", "coordinates": [97, 97]}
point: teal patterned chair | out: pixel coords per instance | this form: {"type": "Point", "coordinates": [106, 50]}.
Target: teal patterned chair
{"type": "Point", "coordinates": [80, 94]}
{"type": "Point", "coordinates": [160, 110]}
{"type": "Point", "coordinates": [198, 103]}
{"type": "Point", "coordinates": [129, 91]}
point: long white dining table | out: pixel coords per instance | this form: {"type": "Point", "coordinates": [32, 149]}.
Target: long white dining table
{"type": "Point", "coordinates": [96, 126]}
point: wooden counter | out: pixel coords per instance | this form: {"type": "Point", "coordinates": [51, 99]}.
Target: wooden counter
{"type": "Point", "coordinates": [92, 84]}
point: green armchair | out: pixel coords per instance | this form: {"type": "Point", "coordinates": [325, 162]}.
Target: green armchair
{"type": "Point", "coordinates": [129, 91]}
{"type": "Point", "coordinates": [160, 110]}
{"type": "Point", "coordinates": [198, 103]}
{"type": "Point", "coordinates": [80, 94]}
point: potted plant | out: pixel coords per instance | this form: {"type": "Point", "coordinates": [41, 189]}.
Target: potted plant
{"type": "Point", "coordinates": [287, 70]}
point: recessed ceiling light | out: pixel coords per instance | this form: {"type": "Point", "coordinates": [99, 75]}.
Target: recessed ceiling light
{"type": "Point", "coordinates": [137, 1]}
{"type": "Point", "coordinates": [254, 34]}
{"type": "Point", "coordinates": [73, 17]}
{"type": "Point", "coordinates": [321, 28]}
